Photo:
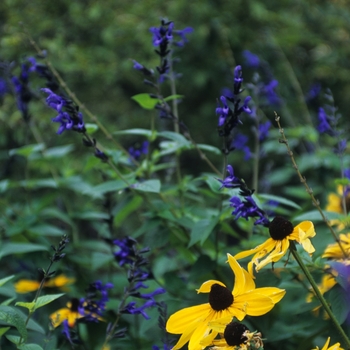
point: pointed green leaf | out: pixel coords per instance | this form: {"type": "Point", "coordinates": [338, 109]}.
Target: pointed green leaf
{"type": "Point", "coordinates": [29, 306]}
{"type": "Point", "coordinates": [46, 299]}
{"type": "Point", "coordinates": [145, 100]}
{"type": "Point", "coordinates": [18, 248]}
{"type": "Point", "coordinates": [6, 279]}
{"type": "Point", "coordinates": [173, 97]}
{"type": "Point", "coordinates": [143, 132]}
{"type": "Point", "coordinates": [209, 148]}
{"type": "Point", "coordinates": [338, 299]}
{"type": "Point", "coordinates": [58, 152]}
{"type": "Point", "coordinates": [180, 139]}
{"type": "Point", "coordinates": [202, 229]}
{"type": "Point", "coordinates": [147, 186]}
{"type": "Point", "coordinates": [30, 347]}
{"type": "Point", "coordinates": [91, 128]}
{"type": "Point", "coordinates": [14, 318]}
{"type": "Point", "coordinates": [3, 330]}
{"type": "Point", "coordinates": [27, 150]}
{"type": "Point", "coordinates": [280, 200]}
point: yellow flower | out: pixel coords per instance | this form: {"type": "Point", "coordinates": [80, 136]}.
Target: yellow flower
{"type": "Point", "coordinates": [333, 250]}
{"type": "Point", "coordinates": [333, 347]}
{"type": "Point", "coordinates": [233, 336]}
{"type": "Point", "coordinates": [69, 313]}
{"type": "Point", "coordinates": [26, 286]}
{"type": "Point", "coordinates": [275, 247]}
{"type": "Point", "coordinates": [245, 299]}
{"type": "Point", "coordinates": [335, 204]}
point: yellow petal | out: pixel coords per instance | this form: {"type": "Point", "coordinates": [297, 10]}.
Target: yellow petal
{"type": "Point", "coordinates": [185, 337]}
{"type": "Point", "coordinates": [255, 304]}
{"type": "Point", "coordinates": [305, 229]}
{"type": "Point", "coordinates": [26, 286]}
{"type": "Point", "coordinates": [262, 247]}
{"type": "Point", "coordinates": [186, 318]}
{"type": "Point", "coordinates": [200, 332]}
{"type": "Point", "coordinates": [249, 282]}
{"type": "Point", "coordinates": [59, 316]}
{"type": "Point", "coordinates": [206, 286]}
{"type": "Point", "coordinates": [239, 286]}
{"type": "Point", "coordinates": [279, 251]}
{"type": "Point", "coordinates": [59, 281]}
{"type": "Point", "coordinates": [275, 294]}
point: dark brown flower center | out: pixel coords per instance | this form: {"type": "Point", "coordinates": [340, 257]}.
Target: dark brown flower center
{"type": "Point", "coordinates": [74, 305]}
{"type": "Point", "coordinates": [280, 228]}
{"type": "Point", "coordinates": [233, 333]}
{"type": "Point", "coordinates": [220, 297]}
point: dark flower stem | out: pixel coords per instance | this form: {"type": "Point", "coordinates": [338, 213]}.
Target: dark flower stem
{"type": "Point", "coordinates": [318, 293]}
{"type": "Point", "coordinates": [315, 202]}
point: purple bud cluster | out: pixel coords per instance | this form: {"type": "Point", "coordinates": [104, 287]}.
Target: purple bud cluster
{"type": "Point", "coordinates": [68, 114]}
{"type": "Point", "coordinates": [246, 208]}
{"type": "Point", "coordinates": [137, 152]}
{"type": "Point", "coordinates": [229, 117]}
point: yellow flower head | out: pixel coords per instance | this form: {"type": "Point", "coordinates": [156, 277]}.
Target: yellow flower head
{"type": "Point", "coordinates": [335, 204]}
{"type": "Point", "coordinates": [245, 299]}
{"type": "Point", "coordinates": [333, 250]}
{"type": "Point", "coordinates": [69, 313]}
{"type": "Point", "coordinates": [275, 247]}
{"type": "Point", "coordinates": [333, 347]}
{"type": "Point", "coordinates": [233, 336]}
{"type": "Point", "coordinates": [25, 286]}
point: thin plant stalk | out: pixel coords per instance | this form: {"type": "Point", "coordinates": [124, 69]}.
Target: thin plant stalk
{"type": "Point", "coordinates": [318, 293]}
{"type": "Point", "coordinates": [315, 202]}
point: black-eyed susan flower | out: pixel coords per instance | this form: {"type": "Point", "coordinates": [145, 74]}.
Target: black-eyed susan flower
{"type": "Point", "coordinates": [336, 346]}
{"type": "Point", "coordinates": [233, 336]}
{"type": "Point", "coordinates": [275, 247]}
{"type": "Point", "coordinates": [333, 250]}
{"type": "Point", "coordinates": [69, 313]}
{"type": "Point", "coordinates": [25, 285]}
{"type": "Point", "coordinates": [245, 299]}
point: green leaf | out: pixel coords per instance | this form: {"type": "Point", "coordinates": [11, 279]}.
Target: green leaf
{"type": "Point", "coordinates": [3, 330]}
{"type": "Point", "coordinates": [91, 128]}
{"type": "Point", "coordinates": [202, 229]}
{"type": "Point", "coordinates": [148, 186]}
{"type": "Point", "coordinates": [279, 199]}
{"type": "Point", "coordinates": [27, 150]}
{"type": "Point", "coordinates": [109, 186]}
{"type": "Point", "coordinates": [99, 259]}
{"type": "Point", "coordinates": [143, 132]}
{"type": "Point", "coordinates": [4, 185]}
{"type": "Point", "coordinates": [20, 248]}
{"type": "Point", "coordinates": [46, 299]}
{"type": "Point", "coordinates": [314, 215]}
{"type": "Point", "coordinates": [58, 152]}
{"type": "Point", "coordinates": [338, 299]}
{"type": "Point", "coordinates": [14, 318]}
{"type": "Point", "coordinates": [6, 279]}
{"type": "Point", "coordinates": [30, 306]}
{"type": "Point", "coordinates": [46, 230]}
{"type": "Point", "coordinates": [38, 183]}
{"type": "Point", "coordinates": [173, 97]}
{"type": "Point", "coordinates": [209, 148]}
{"type": "Point", "coordinates": [180, 139]}
{"type": "Point", "coordinates": [145, 100]}
{"type": "Point", "coordinates": [30, 347]}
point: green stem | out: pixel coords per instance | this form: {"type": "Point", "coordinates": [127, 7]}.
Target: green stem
{"type": "Point", "coordinates": [318, 293]}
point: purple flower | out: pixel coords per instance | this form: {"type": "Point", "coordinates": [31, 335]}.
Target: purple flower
{"type": "Point", "coordinates": [94, 304]}
{"type": "Point", "coordinates": [230, 181]}
{"type": "Point", "coordinates": [136, 153]}
{"type": "Point", "coordinates": [314, 91]}
{"type": "Point", "coordinates": [252, 60]}
{"type": "Point", "coordinates": [264, 130]}
{"type": "Point", "coordinates": [182, 34]}
{"type": "Point", "coordinates": [270, 93]}
{"type": "Point", "coordinates": [3, 87]}
{"type": "Point", "coordinates": [132, 309]}
{"type": "Point", "coordinates": [324, 122]}
{"type": "Point", "coordinates": [126, 252]}
{"type": "Point", "coordinates": [68, 115]}
{"type": "Point", "coordinates": [245, 108]}
{"type": "Point", "coordinates": [248, 208]}
{"type": "Point", "coordinates": [223, 111]}
{"type": "Point", "coordinates": [162, 34]}
{"type": "Point", "coordinates": [240, 143]}
{"type": "Point", "coordinates": [67, 332]}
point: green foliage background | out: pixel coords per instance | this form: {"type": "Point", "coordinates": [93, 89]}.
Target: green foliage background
{"type": "Point", "coordinates": [92, 43]}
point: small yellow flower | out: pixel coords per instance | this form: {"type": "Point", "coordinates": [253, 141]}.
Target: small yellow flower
{"type": "Point", "coordinates": [333, 250]}
{"type": "Point", "coordinates": [245, 299]}
{"type": "Point", "coordinates": [26, 286]}
{"type": "Point", "coordinates": [275, 247]}
{"type": "Point", "coordinates": [335, 204]}
{"type": "Point", "coordinates": [69, 313]}
{"type": "Point", "coordinates": [336, 346]}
